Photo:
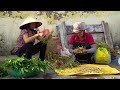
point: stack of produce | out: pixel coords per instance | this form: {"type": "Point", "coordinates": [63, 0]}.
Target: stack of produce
{"type": "Point", "coordinates": [22, 67]}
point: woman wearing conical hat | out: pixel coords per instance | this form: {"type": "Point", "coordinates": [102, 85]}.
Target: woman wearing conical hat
{"type": "Point", "coordinates": [25, 41]}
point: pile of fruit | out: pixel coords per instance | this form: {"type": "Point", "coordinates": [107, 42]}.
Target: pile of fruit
{"type": "Point", "coordinates": [80, 70]}
{"type": "Point", "coordinates": [79, 50]}
{"type": "Point", "coordinates": [90, 70]}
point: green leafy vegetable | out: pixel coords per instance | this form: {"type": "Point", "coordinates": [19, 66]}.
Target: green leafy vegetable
{"type": "Point", "coordinates": [24, 66]}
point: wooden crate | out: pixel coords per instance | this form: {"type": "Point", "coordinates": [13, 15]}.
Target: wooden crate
{"type": "Point", "coordinates": [99, 32]}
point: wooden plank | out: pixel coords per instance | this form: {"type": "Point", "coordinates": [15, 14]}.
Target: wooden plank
{"type": "Point", "coordinates": [103, 26]}
{"type": "Point", "coordinates": [90, 28]}
{"type": "Point", "coordinates": [62, 31]}
{"type": "Point", "coordinates": [108, 34]}
{"type": "Point", "coordinates": [99, 37]}
{"type": "Point", "coordinates": [69, 29]}
{"type": "Point", "coordinates": [94, 28]}
{"type": "Point", "coordinates": [99, 31]}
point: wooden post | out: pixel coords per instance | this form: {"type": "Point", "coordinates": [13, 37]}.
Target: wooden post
{"type": "Point", "coordinates": [62, 31]}
{"type": "Point", "coordinates": [108, 34]}
{"type": "Point", "coordinates": [104, 29]}
{"type": "Point", "coordinates": [108, 38]}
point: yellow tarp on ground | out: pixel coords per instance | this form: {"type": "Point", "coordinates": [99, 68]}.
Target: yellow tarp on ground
{"type": "Point", "coordinates": [87, 69]}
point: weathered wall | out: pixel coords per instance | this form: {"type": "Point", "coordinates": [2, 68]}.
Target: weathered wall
{"type": "Point", "coordinates": [10, 21]}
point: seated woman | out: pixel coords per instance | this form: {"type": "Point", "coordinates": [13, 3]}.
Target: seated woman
{"type": "Point", "coordinates": [25, 42]}
{"type": "Point", "coordinates": [83, 39]}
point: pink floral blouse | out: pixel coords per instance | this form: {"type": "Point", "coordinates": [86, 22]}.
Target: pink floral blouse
{"type": "Point", "coordinates": [20, 42]}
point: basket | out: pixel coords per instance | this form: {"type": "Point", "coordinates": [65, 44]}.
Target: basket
{"type": "Point", "coordinates": [18, 74]}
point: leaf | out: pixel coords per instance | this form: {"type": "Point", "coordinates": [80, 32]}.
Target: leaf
{"type": "Point", "coordinates": [41, 69]}
{"type": "Point", "coordinates": [22, 71]}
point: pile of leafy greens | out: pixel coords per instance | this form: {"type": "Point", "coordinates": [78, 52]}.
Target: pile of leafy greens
{"type": "Point", "coordinates": [23, 65]}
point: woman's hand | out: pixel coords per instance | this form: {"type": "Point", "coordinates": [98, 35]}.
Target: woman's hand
{"type": "Point", "coordinates": [80, 50]}
{"type": "Point", "coordinates": [76, 51]}
{"type": "Point", "coordinates": [46, 32]}
{"type": "Point", "coordinates": [50, 34]}
{"type": "Point", "coordinates": [84, 51]}
{"type": "Point", "coordinates": [40, 34]}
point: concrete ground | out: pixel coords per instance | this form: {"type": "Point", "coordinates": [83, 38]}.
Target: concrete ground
{"type": "Point", "coordinates": [52, 75]}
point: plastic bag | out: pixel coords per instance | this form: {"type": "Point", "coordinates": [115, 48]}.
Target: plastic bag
{"type": "Point", "coordinates": [62, 51]}
{"type": "Point", "coordinates": [102, 56]}
{"type": "Point", "coordinates": [65, 52]}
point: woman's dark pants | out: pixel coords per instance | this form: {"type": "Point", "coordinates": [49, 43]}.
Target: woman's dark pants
{"type": "Point", "coordinates": [83, 57]}
{"type": "Point", "coordinates": [30, 49]}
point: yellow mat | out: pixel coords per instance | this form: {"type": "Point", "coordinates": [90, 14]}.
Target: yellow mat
{"type": "Point", "coordinates": [87, 69]}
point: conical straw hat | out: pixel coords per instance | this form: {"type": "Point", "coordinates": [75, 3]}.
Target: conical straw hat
{"type": "Point", "coordinates": [30, 20]}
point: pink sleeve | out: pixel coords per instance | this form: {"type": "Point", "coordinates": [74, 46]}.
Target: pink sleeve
{"type": "Point", "coordinates": [24, 31]}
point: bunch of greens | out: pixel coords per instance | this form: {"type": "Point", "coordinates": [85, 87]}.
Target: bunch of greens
{"type": "Point", "coordinates": [70, 64]}
{"type": "Point", "coordinates": [64, 62]}
{"type": "Point", "coordinates": [47, 35]}
{"type": "Point", "coordinates": [108, 47]}
{"type": "Point", "coordinates": [57, 61]}
{"type": "Point", "coordinates": [45, 39]}
{"type": "Point", "coordinates": [24, 65]}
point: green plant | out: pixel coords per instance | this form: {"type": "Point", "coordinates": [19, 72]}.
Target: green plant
{"type": "Point", "coordinates": [3, 72]}
{"type": "Point", "coordinates": [56, 60]}
{"type": "Point", "coordinates": [64, 62]}
{"type": "Point", "coordinates": [46, 39]}
{"type": "Point", "coordinates": [108, 47]}
{"type": "Point", "coordinates": [23, 66]}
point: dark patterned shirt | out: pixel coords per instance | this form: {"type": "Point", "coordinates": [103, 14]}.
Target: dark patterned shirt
{"type": "Point", "coordinates": [20, 42]}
